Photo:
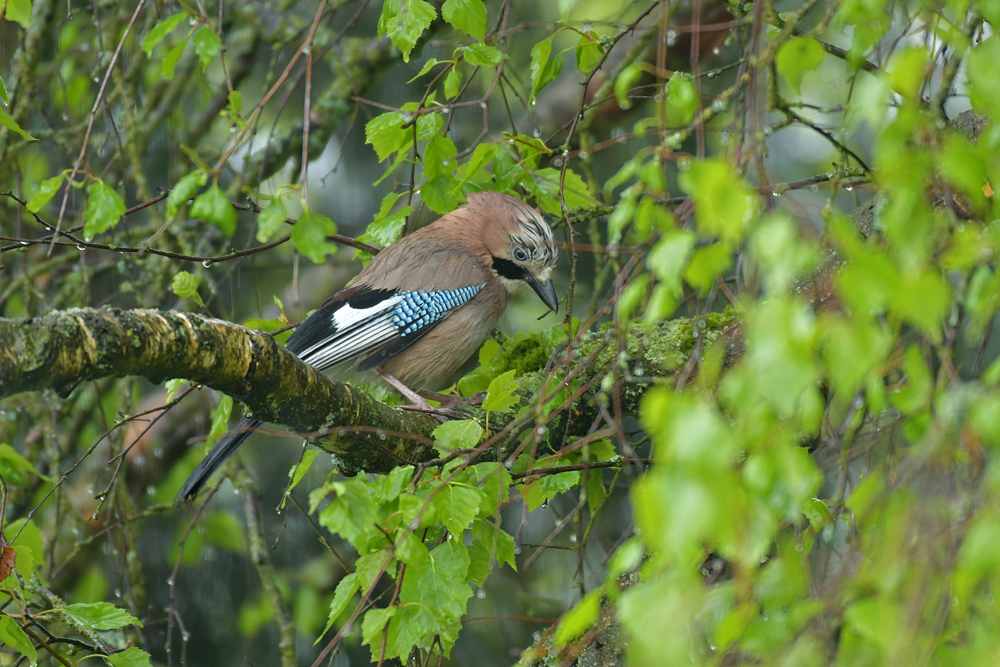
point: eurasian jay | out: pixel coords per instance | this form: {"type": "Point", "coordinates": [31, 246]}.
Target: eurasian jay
{"type": "Point", "coordinates": [424, 305]}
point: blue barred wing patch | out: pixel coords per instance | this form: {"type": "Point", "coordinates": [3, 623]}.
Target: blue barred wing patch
{"type": "Point", "coordinates": [419, 309]}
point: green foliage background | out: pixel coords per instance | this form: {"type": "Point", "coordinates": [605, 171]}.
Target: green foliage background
{"type": "Point", "coordinates": [773, 202]}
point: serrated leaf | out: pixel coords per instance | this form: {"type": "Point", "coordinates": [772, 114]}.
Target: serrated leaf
{"type": "Point", "coordinates": [539, 489]}
{"type": "Point", "coordinates": [309, 236]}
{"type": "Point", "coordinates": [270, 219]}
{"type": "Point", "coordinates": [46, 190]}
{"type": "Point", "coordinates": [8, 122]}
{"type": "Point", "coordinates": [346, 588]}
{"type": "Point", "coordinates": [18, 11]}
{"type": "Point", "coordinates": [185, 285]}
{"type": "Point", "coordinates": [452, 83]}
{"type": "Point", "coordinates": [374, 621]}
{"type": "Point", "coordinates": [299, 471]}
{"type": "Point", "coordinates": [404, 21]}
{"type": "Point", "coordinates": [130, 657]}
{"type": "Point", "coordinates": [425, 69]}
{"type": "Point", "coordinates": [457, 434]}
{"type": "Point", "coordinates": [214, 206]}
{"type": "Point", "coordinates": [3, 92]}
{"type": "Point", "coordinates": [206, 45]}
{"type": "Point", "coordinates": [481, 55]}
{"type": "Point", "coordinates": [12, 635]}
{"type": "Point", "coordinates": [185, 189]}
{"type": "Point", "coordinates": [386, 134]}
{"type": "Point", "coordinates": [456, 507]}
{"type": "Point", "coordinates": [500, 396]}
{"type": "Point", "coordinates": [161, 30]}
{"type": "Point", "coordinates": [588, 52]}
{"type": "Point", "coordinates": [98, 616]}
{"type": "Point", "coordinates": [173, 56]}
{"type": "Point", "coordinates": [105, 207]}
{"type": "Point", "coordinates": [543, 70]}
{"type": "Point", "coordinates": [466, 15]}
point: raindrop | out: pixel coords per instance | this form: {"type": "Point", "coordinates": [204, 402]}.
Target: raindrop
{"type": "Point", "coordinates": [694, 333]}
{"type": "Point", "coordinates": [684, 165]}
{"type": "Point", "coordinates": [813, 188]}
{"type": "Point", "coordinates": [305, 50]}
{"type": "Point", "coordinates": [557, 162]}
{"type": "Point", "coordinates": [170, 581]}
{"type": "Point", "coordinates": [482, 105]}
{"type": "Point", "coordinates": [671, 37]}
{"type": "Point", "coordinates": [80, 246]}
{"type": "Point", "coordinates": [207, 263]}
{"type": "Point", "coordinates": [584, 155]}
{"type": "Point", "coordinates": [536, 133]}
{"type": "Point", "coordinates": [849, 188]}
{"type": "Point", "coordinates": [639, 371]}
{"type": "Point", "coordinates": [381, 436]}
{"type": "Point", "coordinates": [716, 51]}
{"type": "Point", "coordinates": [768, 131]}
{"type": "Point", "coordinates": [481, 593]}
{"type": "Point", "coordinates": [718, 106]}
{"type": "Point", "coordinates": [232, 129]}
{"type": "Point", "coordinates": [712, 74]}
{"type": "Point", "coordinates": [192, 21]}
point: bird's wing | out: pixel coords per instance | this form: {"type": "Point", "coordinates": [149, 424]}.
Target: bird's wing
{"type": "Point", "coordinates": [360, 320]}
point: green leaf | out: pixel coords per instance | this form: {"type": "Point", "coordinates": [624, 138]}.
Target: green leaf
{"type": "Point", "coordinates": [46, 191]}
{"type": "Point", "coordinates": [681, 102]}
{"type": "Point", "coordinates": [98, 616]}
{"type": "Point", "coordinates": [29, 537]}
{"type": "Point", "coordinates": [3, 92]}
{"type": "Point", "coordinates": [185, 285]}
{"type": "Point", "coordinates": [984, 84]}
{"type": "Point", "coordinates": [724, 203]}
{"type": "Point", "coordinates": [481, 55]}
{"type": "Point", "coordinates": [214, 206]}
{"type": "Point", "coordinates": [299, 471]}
{"type": "Point", "coordinates": [588, 52]}
{"type": "Point", "coordinates": [374, 621]}
{"type": "Point", "coordinates": [452, 83]}
{"type": "Point", "coordinates": [105, 207]}
{"type": "Point", "coordinates": [346, 588]}
{"type": "Point", "coordinates": [624, 83]}
{"type": "Point", "coordinates": [185, 189]}
{"type": "Point", "coordinates": [439, 585]}
{"type": "Point", "coordinates": [220, 419]}
{"type": "Point", "coordinates": [11, 456]}
{"type": "Point", "coordinates": [18, 11]}
{"type": "Point", "coordinates": [12, 635]}
{"type": "Point", "coordinates": [173, 56]}
{"type": "Point", "coordinates": [404, 21]}
{"type": "Point", "coordinates": [8, 122]}
{"type": "Point", "coordinates": [500, 396]}
{"type": "Point", "coordinates": [489, 545]}
{"type": "Point", "coordinates": [161, 30]}
{"type": "Point", "coordinates": [796, 57]}
{"type": "Point", "coordinates": [457, 506]}
{"type": "Point", "coordinates": [309, 236]}
{"type": "Point", "coordinates": [130, 657]}
{"type": "Point", "coordinates": [270, 219]}
{"type": "Point", "coordinates": [539, 489]}
{"type": "Point", "coordinates": [386, 134]}
{"type": "Point", "coordinates": [206, 45]}
{"type": "Point", "coordinates": [425, 69]}
{"type": "Point", "coordinates": [543, 70]}
{"type": "Point", "coordinates": [579, 619]}
{"type": "Point", "coordinates": [469, 16]}
{"type": "Point", "coordinates": [457, 434]}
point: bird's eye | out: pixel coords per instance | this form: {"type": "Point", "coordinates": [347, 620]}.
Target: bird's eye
{"type": "Point", "coordinates": [520, 254]}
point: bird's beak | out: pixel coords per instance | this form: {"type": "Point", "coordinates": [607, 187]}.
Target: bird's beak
{"type": "Point", "coordinates": [546, 292]}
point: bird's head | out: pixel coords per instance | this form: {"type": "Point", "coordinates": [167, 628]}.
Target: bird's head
{"type": "Point", "coordinates": [520, 244]}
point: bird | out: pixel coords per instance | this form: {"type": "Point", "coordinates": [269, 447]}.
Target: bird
{"type": "Point", "coordinates": [423, 305]}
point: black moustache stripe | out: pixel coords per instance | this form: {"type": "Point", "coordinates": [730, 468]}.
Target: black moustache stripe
{"type": "Point", "coordinates": [508, 269]}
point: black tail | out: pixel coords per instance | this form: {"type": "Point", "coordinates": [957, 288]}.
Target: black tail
{"type": "Point", "coordinates": [222, 451]}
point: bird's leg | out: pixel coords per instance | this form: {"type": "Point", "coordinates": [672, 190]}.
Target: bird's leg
{"type": "Point", "coordinates": [453, 400]}
{"type": "Point", "coordinates": [417, 402]}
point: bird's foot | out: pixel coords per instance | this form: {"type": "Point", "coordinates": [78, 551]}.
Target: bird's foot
{"type": "Point", "coordinates": [417, 402]}
{"type": "Point", "coordinates": [454, 400]}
